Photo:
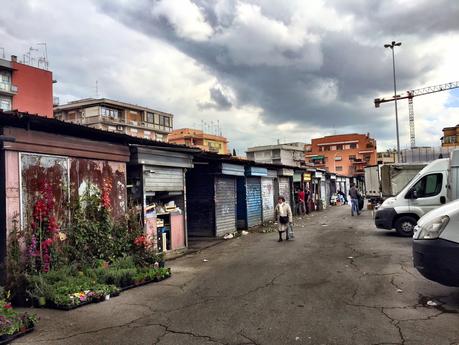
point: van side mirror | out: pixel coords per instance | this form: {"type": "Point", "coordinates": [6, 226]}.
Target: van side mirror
{"type": "Point", "coordinates": [413, 194]}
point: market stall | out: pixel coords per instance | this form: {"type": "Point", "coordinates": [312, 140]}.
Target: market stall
{"type": "Point", "coordinates": [211, 197]}
{"type": "Point", "coordinates": [156, 178]}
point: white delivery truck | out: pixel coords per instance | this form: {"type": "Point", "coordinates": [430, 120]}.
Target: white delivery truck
{"type": "Point", "coordinates": [372, 187]}
{"type": "Point", "coordinates": [394, 177]}
{"type": "Point", "coordinates": [436, 245]}
{"type": "Point", "coordinates": [429, 189]}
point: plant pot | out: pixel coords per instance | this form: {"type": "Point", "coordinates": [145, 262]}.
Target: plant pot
{"type": "Point", "coordinates": [41, 301]}
{"type": "Point", "coordinates": [107, 297]}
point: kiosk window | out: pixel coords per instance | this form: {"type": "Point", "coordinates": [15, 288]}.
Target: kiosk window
{"type": "Point", "coordinates": [429, 185]}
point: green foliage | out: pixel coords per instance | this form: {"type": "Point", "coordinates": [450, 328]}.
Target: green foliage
{"type": "Point", "coordinates": [12, 322]}
{"type": "Point", "coordinates": [68, 287]}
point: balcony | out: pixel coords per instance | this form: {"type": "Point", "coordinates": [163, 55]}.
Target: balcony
{"type": "Point", "coordinates": [8, 89]}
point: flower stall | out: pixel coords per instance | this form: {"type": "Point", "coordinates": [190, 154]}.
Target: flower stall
{"type": "Point", "coordinates": [70, 238]}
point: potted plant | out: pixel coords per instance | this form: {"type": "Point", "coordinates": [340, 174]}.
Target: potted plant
{"type": "Point", "coordinates": [41, 290]}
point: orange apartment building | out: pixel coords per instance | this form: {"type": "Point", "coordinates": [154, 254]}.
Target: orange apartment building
{"type": "Point", "coordinates": [197, 138]}
{"type": "Point", "coordinates": [344, 154]}
{"type": "Point", "coordinates": [25, 88]}
{"type": "Point", "coordinates": [119, 117]}
{"type": "Point", "coordinates": [450, 137]}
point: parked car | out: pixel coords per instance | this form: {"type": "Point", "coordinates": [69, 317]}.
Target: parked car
{"type": "Point", "coordinates": [433, 186]}
{"type": "Point", "coordinates": [436, 245]}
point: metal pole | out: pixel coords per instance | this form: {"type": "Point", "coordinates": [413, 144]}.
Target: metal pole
{"type": "Point", "coordinates": [396, 109]}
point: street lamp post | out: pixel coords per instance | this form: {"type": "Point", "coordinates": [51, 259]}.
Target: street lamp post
{"type": "Point", "coordinates": [392, 45]}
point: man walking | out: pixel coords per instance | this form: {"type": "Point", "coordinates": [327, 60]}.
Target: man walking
{"type": "Point", "coordinates": [354, 194]}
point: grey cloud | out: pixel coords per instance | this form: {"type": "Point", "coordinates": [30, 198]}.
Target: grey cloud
{"type": "Point", "coordinates": [288, 92]}
{"type": "Point", "coordinates": [219, 100]}
{"type": "Point", "coordinates": [323, 84]}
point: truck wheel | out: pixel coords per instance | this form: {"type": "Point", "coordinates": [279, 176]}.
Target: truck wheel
{"type": "Point", "coordinates": [405, 226]}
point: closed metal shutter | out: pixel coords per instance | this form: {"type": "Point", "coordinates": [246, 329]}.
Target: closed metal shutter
{"type": "Point", "coordinates": [162, 179]}
{"type": "Point", "coordinates": [200, 205]}
{"type": "Point", "coordinates": [267, 196]}
{"type": "Point", "coordinates": [284, 189]}
{"type": "Point", "coordinates": [253, 195]}
{"type": "Point", "coordinates": [225, 205]}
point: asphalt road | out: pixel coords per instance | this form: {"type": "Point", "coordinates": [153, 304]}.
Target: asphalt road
{"type": "Point", "coordinates": [339, 282]}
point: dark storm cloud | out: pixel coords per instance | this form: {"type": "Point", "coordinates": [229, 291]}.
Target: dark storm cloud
{"type": "Point", "coordinates": [423, 17]}
{"type": "Point", "coordinates": [324, 82]}
{"type": "Point", "coordinates": [220, 101]}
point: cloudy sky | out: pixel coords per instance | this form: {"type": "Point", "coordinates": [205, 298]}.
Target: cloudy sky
{"type": "Point", "coordinates": [265, 69]}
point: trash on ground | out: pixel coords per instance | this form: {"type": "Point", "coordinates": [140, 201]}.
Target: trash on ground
{"type": "Point", "coordinates": [245, 232]}
{"type": "Point", "coordinates": [324, 224]}
{"type": "Point", "coordinates": [297, 338]}
{"type": "Point", "coordinates": [228, 236]}
{"type": "Point", "coordinates": [350, 257]}
{"type": "Point", "coordinates": [205, 260]}
{"type": "Point", "coordinates": [399, 290]}
{"type": "Point", "coordinates": [432, 303]}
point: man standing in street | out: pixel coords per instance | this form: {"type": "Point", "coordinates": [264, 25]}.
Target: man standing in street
{"type": "Point", "coordinates": [354, 194]}
{"type": "Point", "coordinates": [301, 204]}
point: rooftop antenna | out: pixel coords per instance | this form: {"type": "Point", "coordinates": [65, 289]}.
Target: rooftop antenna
{"type": "Point", "coordinates": [97, 89]}
{"type": "Point", "coordinates": [45, 60]}
{"type": "Point", "coordinates": [3, 52]}
{"type": "Point", "coordinates": [31, 59]}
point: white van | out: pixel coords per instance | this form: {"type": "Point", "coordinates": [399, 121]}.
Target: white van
{"type": "Point", "coordinates": [436, 245]}
{"type": "Point", "coordinates": [432, 187]}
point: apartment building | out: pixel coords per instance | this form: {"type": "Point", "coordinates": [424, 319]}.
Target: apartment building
{"type": "Point", "coordinates": [450, 137]}
{"type": "Point", "coordinates": [119, 117]}
{"type": "Point", "coordinates": [344, 154]}
{"type": "Point", "coordinates": [292, 154]}
{"type": "Point", "coordinates": [197, 138]}
{"type": "Point", "coordinates": [25, 88]}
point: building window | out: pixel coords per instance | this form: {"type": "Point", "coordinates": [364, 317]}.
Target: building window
{"type": "Point", "coordinates": [5, 103]}
{"type": "Point", "coordinates": [150, 118]}
{"type": "Point", "coordinates": [450, 139]}
{"type": "Point", "coordinates": [338, 158]}
{"type": "Point", "coordinates": [366, 158]}
{"type": "Point", "coordinates": [326, 148]}
{"type": "Point", "coordinates": [339, 147]}
{"type": "Point", "coordinates": [339, 168]}
{"type": "Point", "coordinates": [353, 146]}
{"type": "Point", "coordinates": [109, 112]}
{"type": "Point", "coordinates": [352, 157]}
{"type": "Point", "coordinates": [333, 148]}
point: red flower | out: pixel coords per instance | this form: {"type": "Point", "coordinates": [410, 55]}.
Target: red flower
{"type": "Point", "coordinates": [46, 243]}
{"type": "Point", "coordinates": [53, 227]}
{"type": "Point", "coordinates": [140, 240]}
{"type": "Point", "coordinates": [8, 306]}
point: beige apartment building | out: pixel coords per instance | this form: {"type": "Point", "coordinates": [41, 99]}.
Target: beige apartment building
{"type": "Point", "coordinates": [119, 117]}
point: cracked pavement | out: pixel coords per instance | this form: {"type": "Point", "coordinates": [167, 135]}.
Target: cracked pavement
{"type": "Point", "coordinates": [344, 283]}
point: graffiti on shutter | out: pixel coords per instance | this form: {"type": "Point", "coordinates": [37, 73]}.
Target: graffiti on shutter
{"type": "Point", "coordinates": [267, 195]}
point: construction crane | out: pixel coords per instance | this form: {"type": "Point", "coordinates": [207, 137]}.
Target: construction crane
{"type": "Point", "coordinates": [410, 95]}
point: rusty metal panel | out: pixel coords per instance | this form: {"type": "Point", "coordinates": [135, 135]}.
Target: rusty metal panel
{"type": "Point", "coordinates": [112, 175]}
{"type": "Point", "coordinates": [43, 176]}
